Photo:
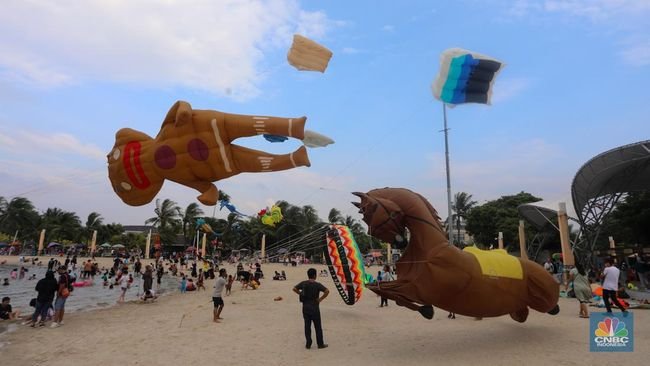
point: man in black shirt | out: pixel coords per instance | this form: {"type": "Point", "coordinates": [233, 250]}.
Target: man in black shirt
{"type": "Point", "coordinates": [309, 292]}
{"type": "Point", "coordinates": [46, 288]}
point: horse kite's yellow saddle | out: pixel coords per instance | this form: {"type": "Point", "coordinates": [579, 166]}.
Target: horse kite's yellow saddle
{"type": "Point", "coordinates": [497, 263]}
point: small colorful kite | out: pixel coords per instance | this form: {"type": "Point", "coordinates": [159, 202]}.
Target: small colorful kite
{"type": "Point", "coordinates": [270, 217]}
{"type": "Point", "coordinates": [230, 208]}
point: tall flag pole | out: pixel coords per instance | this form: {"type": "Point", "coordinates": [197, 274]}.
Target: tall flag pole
{"type": "Point", "coordinates": [464, 77]}
{"type": "Point", "coordinates": [450, 222]}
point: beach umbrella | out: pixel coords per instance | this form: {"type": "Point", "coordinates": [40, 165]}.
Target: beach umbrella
{"type": "Point", "coordinates": [53, 244]}
{"type": "Point", "coordinates": [105, 245]}
{"type": "Point", "coordinates": [118, 246]}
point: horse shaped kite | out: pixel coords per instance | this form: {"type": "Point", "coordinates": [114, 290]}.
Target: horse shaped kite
{"type": "Point", "coordinates": [431, 272]}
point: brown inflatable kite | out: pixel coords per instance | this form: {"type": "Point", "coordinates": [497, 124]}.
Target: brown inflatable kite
{"type": "Point", "coordinates": [431, 272]}
{"type": "Point", "coordinates": [194, 148]}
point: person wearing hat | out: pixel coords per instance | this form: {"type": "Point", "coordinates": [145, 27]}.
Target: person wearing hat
{"type": "Point", "coordinates": [62, 294]}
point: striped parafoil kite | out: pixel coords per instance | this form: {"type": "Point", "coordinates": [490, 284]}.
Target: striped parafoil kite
{"type": "Point", "coordinates": [465, 77]}
{"type": "Point", "coordinates": [345, 263]}
{"type": "Point", "coordinates": [306, 54]}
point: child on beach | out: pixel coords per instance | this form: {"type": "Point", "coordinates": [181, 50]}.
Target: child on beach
{"type": "Point", "coordinates": [125, 283]}
{"type": "Point", "coordinates": [14, 274]}
{"type": "Point", "coordinates": [105, 278]}
{"type": "Point", "coordinates": [231, 279]}
{"type": "Point", "coordinates": [183, 287]}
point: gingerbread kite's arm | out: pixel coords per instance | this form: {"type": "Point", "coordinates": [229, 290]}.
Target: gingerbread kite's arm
{"type": "Point", "coordinates": [209, 193]}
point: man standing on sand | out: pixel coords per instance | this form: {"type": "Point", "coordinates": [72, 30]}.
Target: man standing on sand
{"type": "Point", "coordinates": [308, 292]}
{"type": "Point", "coordinates": [217, 298]}
{"type": "Point", "coordinates": [610, 286]}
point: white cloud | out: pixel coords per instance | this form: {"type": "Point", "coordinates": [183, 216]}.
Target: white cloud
{"type": "Point", "coordinates": [22, 142]}
{"type": "Point", "coordinates": [504, 167]}
{"type": "Point", "coordinates": [595, 10]}
{"type": "Point", "coordinates": [507, 89]}
{"type": "Point", "coordinates": [638, 54]}
{"type": "Point", "coordinates": [350, 50]}
{"type": "Point", "coordinates": [388, 28]}
{"type": "Point", "coordinates": [213, 46]}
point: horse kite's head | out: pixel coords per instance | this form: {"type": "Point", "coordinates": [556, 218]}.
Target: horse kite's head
{"type": "Point", "coordinates": [384, 217]}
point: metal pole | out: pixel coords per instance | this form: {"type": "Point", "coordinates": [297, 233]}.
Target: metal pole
{"type": "Point", "coordinates": [450, 225]}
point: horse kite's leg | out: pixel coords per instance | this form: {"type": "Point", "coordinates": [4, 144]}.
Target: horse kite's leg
{"type": "Point", "coordinates": [425, 310]}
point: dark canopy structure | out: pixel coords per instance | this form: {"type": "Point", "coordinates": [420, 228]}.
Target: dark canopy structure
{"type": "Point", "coordinates": [544, 220]}
{"type": "Point", "coordinates": [601, 183]}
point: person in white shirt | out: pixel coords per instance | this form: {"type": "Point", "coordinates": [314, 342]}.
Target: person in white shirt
{"type": "Point", "coordinates": [217, 298]}
{"type": "Point", "coordinates": [125, 283]}
{"type": "Point", "coordinates": [610, 286]}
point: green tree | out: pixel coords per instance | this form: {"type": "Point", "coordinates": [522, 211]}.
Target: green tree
{"type": "Point", "coordinates": [462, 205]}
{"type": "Point", "coordinates": [93, 222]}
{"type": "Point", "coordinates": [192, 212]}
{"type": "Point", "coordinates": [486, 221]}
{"type": "Point", "coordinates": [335, 216]}
{"type": "Point", "coordinates": [167, 220]}
{"type": "Point", "coordinates": [60, 225]}
{"type": "Point", "coordinates": [108, 233]}
{"type": "Point", "coordinates": [629, 222]}
{"type": "Point", "coordinates": [18, 216]}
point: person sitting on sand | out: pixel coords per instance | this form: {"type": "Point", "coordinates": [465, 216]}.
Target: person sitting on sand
{"type": "Point", "coordinates": [253, 284]}
{"type": "Point", "coordinates": [6, 312]}
{"type": "Point", "coordinates": [190, 285]}
{"type": "Point", "coordinates": [149, 294]}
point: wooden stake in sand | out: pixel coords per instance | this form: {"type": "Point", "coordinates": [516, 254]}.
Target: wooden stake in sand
{"type": "Point", "coordinates": [522, 241]}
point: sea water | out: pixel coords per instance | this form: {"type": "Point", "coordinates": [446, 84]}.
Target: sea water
{"type": "Point", "coordinates": [97, 296]}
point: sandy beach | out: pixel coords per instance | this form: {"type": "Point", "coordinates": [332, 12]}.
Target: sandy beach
{"type": "Point", "coordinates": [178, 329]}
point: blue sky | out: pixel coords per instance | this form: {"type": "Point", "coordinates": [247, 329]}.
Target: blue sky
{"type": "Point", "coordinates": [72, 74]}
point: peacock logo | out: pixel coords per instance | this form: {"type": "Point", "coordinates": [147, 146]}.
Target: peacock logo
{"type": "Point", "coordinates": [611, 327]}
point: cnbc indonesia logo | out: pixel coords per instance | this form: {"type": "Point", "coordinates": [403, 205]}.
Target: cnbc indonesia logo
{"type": "Point", "coordinates": [611, 332]}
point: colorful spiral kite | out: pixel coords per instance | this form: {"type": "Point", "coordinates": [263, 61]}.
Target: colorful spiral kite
{"type": "Point", "coordinates": [345, 263]}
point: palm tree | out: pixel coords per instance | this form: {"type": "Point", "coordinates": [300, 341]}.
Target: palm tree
{"type": "Point", "coordinates": [223, 196]}
{"type": "Point", "coordinates": [192, 212]}
{"type": "Point", "coordinates": [94, 222]}
{"type": "Point", "coordinates": [335, 216]}
{"type": "Point", "coordinates": [18, 216]}
{"type": "Point", "coordinates": [167, 214]}
{"type": "Point", "coordinates": [167, 219]}
{"type": "Point", "coordinates": [61, 225]}
{"type": "Point", "coordinates": [462, 205]}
